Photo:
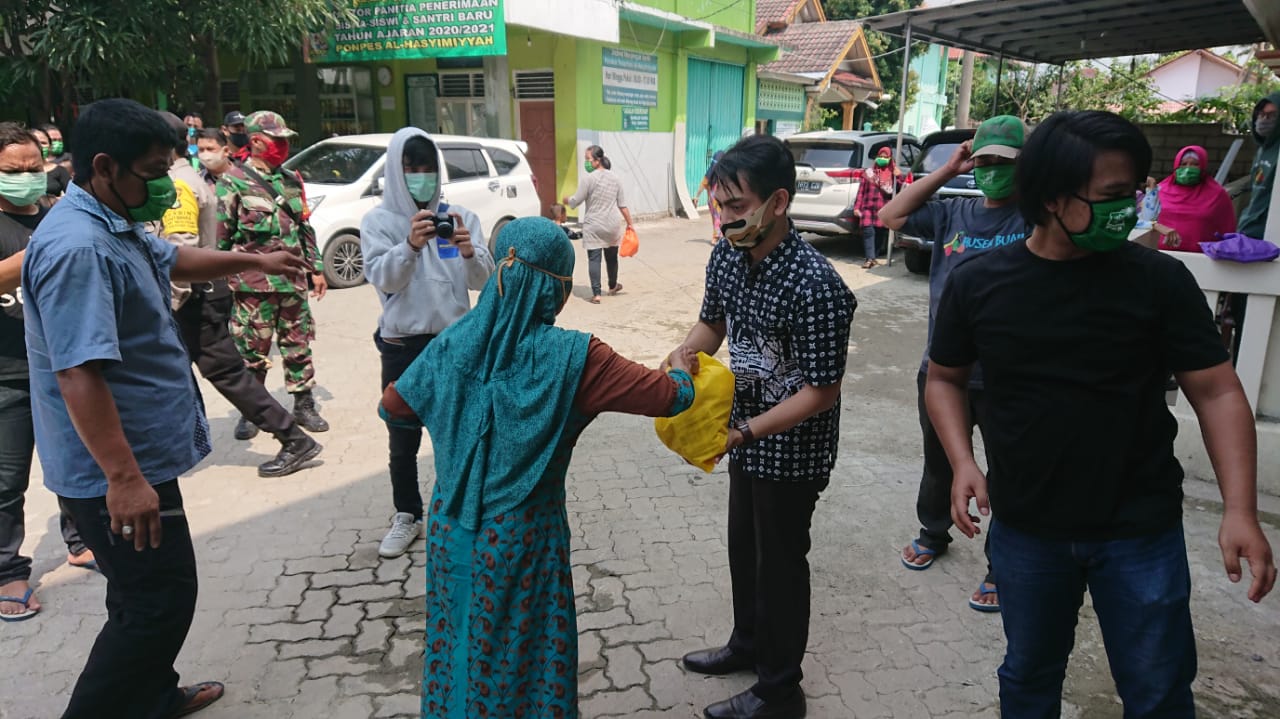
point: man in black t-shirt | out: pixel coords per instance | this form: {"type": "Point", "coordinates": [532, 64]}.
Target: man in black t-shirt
{"type": "Point", "coordinates": [1076, 330]}
{"type": "Point", "coordinates": [22, 184]}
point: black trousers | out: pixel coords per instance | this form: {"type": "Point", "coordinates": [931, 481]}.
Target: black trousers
{"type": "Point", "coordinates": [403, 443]}
{"type": "Point", "coordinates": [151, 599]}
{"type": "Point", "coordinates": [933, 503]}
{"type": "Point", "coordinates": [610, 255]}
{"type": "Point", "coordinates": [768, 565]}
{"type": "Point", "coordinates": [17, 443]}
{"type": "Point", "coordinates": [203, 321]}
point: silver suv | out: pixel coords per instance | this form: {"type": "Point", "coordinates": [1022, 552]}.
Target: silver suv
{"type": "Point", "coordinates": [829, 167]}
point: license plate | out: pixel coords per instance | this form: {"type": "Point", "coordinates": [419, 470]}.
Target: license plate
{"type": "Point", "coordinates": [811, 187]}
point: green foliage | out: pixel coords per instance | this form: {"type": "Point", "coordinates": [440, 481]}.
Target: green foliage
{"type": "Point", "coordinates": [120, 47]}
{"type": "Point", "coordinates": [889, 64]}
{"type": "Point", "coordinates": [1233, 108]}
{"type": "Point", "coordinates": [821, 118]}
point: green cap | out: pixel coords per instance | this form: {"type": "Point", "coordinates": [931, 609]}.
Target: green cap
{"type": "Point", "coordinates": [1001, 136]}
{"type": "Point", "coordinates": [267, 123]}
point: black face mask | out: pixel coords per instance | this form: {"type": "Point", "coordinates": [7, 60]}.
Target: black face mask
{"type": "Point", "coordinates": [239, 139]}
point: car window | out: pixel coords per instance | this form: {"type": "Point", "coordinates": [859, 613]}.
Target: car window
{"type": "Point", "coordinates": [465, 163]}
{"type": "Point", "coordinates": [504, 162]}
{"type": "Point", "coordinates": [910, 152]}
{"type": "Point", "coordinates": [827, 154]}
{"type": "Point", "coordinates": [935, 156]}
{"type": "Point", "coordinates": [333, 163]}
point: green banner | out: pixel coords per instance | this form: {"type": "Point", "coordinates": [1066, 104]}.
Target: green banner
{"type": "Point", "coordinates": [393, 29]}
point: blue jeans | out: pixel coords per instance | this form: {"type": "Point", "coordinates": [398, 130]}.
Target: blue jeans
{"type": "Point", "coordinates": [1141, 590]}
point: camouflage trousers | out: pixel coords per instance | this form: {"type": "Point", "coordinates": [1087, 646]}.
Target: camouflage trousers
{"type": "Point", "coordinates": [258, 316]}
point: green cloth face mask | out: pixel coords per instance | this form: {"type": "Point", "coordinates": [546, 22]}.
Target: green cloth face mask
{"type": "Point", "coordinates": [995, 181]}
{"type": "Point", "coordinates": [422, 185]}
{"type": "Point", "coordinates": [882, 162]}
{"type": "Point", "coordinates": [23, 189]}
{"type": "Point", "coordinates": [588, 166]}
{"type": "Point", "coordinates": [1187, 175]}
{"type": "Point", "coordinates": [161, 194]}
{"type": "Point", "coordinates": [55, 147]}
{"type": "Point", "coordinates": [44, 153]}
{"type": "Point", "coordinates": [1109, 226]}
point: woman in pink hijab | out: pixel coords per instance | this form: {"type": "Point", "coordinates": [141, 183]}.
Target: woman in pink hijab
{"type": "Point", "coordinates": [1192, 204]}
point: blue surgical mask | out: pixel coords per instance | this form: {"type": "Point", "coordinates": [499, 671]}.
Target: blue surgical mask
{"type": "Point", "coordinates": [422, 185]}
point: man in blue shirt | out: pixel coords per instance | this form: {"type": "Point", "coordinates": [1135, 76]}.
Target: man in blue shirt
{"type": "Point", "coordinates": [116, 411]}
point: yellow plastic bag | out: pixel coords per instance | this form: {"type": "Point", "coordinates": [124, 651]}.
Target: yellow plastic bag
{"type": "Point", "coordinates": [699, 433]}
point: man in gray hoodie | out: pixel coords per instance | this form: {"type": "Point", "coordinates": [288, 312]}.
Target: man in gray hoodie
{"type": "Point", "coordinates": [1253, 221]}
{"type": "Point", "coordinates": [422, 278]}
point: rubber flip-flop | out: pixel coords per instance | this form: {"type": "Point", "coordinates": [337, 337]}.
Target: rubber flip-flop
{"type": "Point", "coordinates": [920, 551]}
{"type": "Point", "coordinates": [615, 289]}
{"type": "Point", "coordinates": [25, 601]}
{"type": "Point", "coordinates": [983, 592]}
{"type": "Point", "coordinates": [190, 693]}
{"type": "Point", "coordinates": [91, 565]}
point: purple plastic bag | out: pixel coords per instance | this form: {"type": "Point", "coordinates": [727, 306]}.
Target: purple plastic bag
{"type": "Point", "coordinates": [1240, 248]}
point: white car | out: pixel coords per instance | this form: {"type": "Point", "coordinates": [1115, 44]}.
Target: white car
{"type": "Point", "coordinates": [343, 179]}
{"type": "Point", "coordinates": [829, 166]}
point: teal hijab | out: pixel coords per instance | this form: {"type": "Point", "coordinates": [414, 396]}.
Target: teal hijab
{"type": "Point", "coordinates": [496, 388]}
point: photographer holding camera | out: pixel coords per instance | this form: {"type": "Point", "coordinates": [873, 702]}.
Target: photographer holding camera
{"type": "Point", "coordinates": [422, 255]}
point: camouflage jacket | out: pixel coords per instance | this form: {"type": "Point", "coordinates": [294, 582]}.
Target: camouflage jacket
{"type": "Point", "coordinates": [250, 219]}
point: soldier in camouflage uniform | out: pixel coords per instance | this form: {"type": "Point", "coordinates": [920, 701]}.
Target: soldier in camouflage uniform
{"type": "Point", "coordinates": [262, 208]}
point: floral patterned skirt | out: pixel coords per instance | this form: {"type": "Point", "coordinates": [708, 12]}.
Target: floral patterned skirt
{"type": "Point", "coordinates": [502, 637]}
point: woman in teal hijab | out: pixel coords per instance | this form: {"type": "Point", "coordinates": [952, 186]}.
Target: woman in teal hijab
{"type": "Point", "coordinates": [505, 395]}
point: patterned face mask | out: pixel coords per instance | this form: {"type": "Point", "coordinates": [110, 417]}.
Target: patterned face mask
{"type": "Point", "coordinates": [746, 233]}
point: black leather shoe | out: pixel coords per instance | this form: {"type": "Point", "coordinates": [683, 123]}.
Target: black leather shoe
{"type": "Point", "coordinates": [246, 430]}
{"type": "Point", "coordinates": [296, 449]}
{"type": "Point", "coordinates": [749, 706]}
{"type": "Point", "coordinates": [718, 661]}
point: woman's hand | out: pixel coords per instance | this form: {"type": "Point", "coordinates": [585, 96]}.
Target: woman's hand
{"type": "Point", "coordinates": [1172, 239]}
{"type": "Point", "coordinates": [684, 358]}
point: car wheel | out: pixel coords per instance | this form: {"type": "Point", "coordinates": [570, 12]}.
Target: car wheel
{"type": "Point", "coordinates": [493, 236]}
{"type": "Point", "coordinates": [343, 262]}
{"type": "Point", "coordinates": [917, 261]}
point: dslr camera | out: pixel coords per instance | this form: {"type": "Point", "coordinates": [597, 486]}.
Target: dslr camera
{"type": "Point", "coordinates": [444, 226]}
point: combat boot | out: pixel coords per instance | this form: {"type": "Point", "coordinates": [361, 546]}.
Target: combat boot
{"type": "Point", "coordinates": [304, 410]}
{"type": "Point", "coordinates": [296, 449]}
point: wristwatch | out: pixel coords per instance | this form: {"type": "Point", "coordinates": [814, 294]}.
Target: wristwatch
{"type": "Point", "coordinates": [744, 427]}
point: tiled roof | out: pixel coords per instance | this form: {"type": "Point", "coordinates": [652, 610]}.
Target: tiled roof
{"type": "Point", "coordinates": [768, 11]}
{"type": "Point", "coordinates": [811, 46]}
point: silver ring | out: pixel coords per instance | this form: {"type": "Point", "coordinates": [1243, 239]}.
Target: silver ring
{"type": "Point", "coordinates": [126, 530]}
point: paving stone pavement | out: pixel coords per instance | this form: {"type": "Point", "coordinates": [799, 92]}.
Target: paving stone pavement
{"type": "Point", "coordinates": [300, 618]}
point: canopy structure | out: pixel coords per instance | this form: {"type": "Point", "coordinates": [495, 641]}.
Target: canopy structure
{"type": "Point", "coordinates": [1056, 31]}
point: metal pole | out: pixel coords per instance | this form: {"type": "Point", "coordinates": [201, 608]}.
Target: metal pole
{"type": "Point", "coordinates": [902, 117]}
{"type": "Point", "coordinates": [1061, 68]}
{"type": "Point", "coordinates": [966, 90]}
{"type": "Point", "coordinates": [995, 96]}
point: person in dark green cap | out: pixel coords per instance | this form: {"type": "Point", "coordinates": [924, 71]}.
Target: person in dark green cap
{"type": "Point", "coordinates": [1253, 221]}
{"type": "Point", "coordinates": [262, 207]}
{"type": "Point", "coordinates": [961, 228]}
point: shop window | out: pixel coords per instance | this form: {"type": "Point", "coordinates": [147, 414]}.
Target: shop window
{"type": "Point", "coordinates": [461, 107]}
{"type": "Point", "coordinates": [465, 164]}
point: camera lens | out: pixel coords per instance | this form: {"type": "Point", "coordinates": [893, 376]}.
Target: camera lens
{"type": "Point", "coordinates": [444, 227]}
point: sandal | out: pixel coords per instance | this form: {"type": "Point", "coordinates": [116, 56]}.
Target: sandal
{"type": "Point", "coordinates": [25, 601]}
{"type": "Point", "coordinates": [615, 289]}
{"type": "Point", "coordinates": [595, 299]}
{"type": "Point", "coordinates": [869, 264]}
{"type": "Point", "coordinates": [983, 591]}
{"type": "Point", "coordinates": [921, 551]}
{"type": "Point", "coordinates": [189, 694]}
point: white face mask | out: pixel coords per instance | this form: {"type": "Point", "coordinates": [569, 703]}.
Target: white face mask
{"type": "Point", "coordinates": [213, 160]}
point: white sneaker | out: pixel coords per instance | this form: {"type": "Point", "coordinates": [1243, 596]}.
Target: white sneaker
{"type": "Point", "coordinates": [404, 529]}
